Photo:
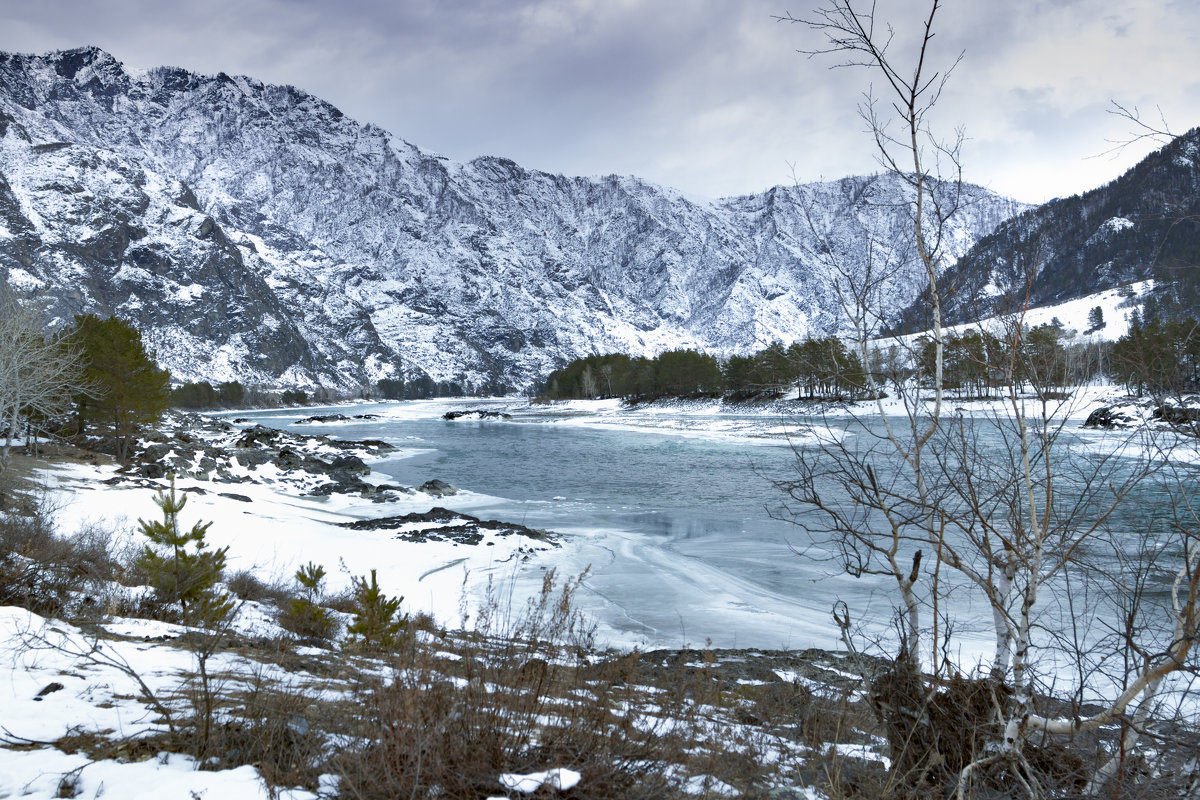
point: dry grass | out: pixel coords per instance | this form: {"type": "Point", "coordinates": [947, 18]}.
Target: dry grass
{"type": "Point", "coordinates": [529, 692]}
{"type": "Point", "coordinates": [53, 575]}
{"type": "Point", "coordinates": [525, 689]}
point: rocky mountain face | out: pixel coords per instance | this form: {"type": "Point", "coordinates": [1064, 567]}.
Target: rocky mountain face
{"type": "Point", "coordinates": [1143, 225]}
{"type": "Point", "coordinates": [254, 232]}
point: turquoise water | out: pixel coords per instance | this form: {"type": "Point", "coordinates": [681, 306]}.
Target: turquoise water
{"type": "Point", "coordinates": [676, 530]}
{"type": "Point", "coordinates": [677, 525]}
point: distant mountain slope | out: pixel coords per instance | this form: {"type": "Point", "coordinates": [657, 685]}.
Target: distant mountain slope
{"type": "Point", "coordinates": [1143, 225]}
{"type": "Point", "coordinates": [255, 232]}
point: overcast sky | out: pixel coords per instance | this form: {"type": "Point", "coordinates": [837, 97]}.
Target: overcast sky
{"type": "Point", "coordinates": [709, 96]}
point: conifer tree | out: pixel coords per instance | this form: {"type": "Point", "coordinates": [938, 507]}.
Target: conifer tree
{"type": "Point", "coordinates": [127, 387]}
{"type": "Point", "coordinates": [377, 622]}
{"type": "Point", "coordinates": [304, 615]}
{"type": "Point", "coordinates": [178, 564]}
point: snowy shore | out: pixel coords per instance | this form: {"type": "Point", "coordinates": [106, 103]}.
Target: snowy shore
{"type": "Point", "coordinates": [274, 518]}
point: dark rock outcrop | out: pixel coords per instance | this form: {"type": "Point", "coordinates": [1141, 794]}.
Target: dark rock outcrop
{"type": "Point", "coordinates": [1108, 417]}
{"type": "Point", "coordinates": [477, 413]}
{"type": "Point", "coordinates": [449, 526]}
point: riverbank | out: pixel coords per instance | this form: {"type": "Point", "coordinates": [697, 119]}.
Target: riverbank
{"type": "Point", "coordinates": [278, 499]}
{"type": "Point", "coordinates": [98, 701]}
{"type": "Point", "coordinates": [784, 720]}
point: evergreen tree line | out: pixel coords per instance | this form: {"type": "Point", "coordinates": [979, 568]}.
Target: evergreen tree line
{"type": "Point", "coordinates": [423, 386]}
{"type": "Point", "coordinates": [677, 372]}
{"type": "Point", "coordinates": [977, 363]}
{"type": "Point", "coordinates": [821, 368]}
{"type": "Point", "coordinates": [1159, 357]}
{"type": "Point", "coordinates": [202, 395]}
{"type": "Point", "coordinates": [229, 394]}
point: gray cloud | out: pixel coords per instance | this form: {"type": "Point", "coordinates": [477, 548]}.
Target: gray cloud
{"type": "Point", "coordinates": [709, 96]}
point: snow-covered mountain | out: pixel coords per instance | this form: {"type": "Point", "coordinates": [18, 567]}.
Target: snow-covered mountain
{"type": "Point", "coordinates": [1142, 226]}
{"type": "Point", "coordinates": [255, 232]}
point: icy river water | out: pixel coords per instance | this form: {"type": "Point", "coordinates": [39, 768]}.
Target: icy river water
{"type": "Point", "coordinates": [670, 511]}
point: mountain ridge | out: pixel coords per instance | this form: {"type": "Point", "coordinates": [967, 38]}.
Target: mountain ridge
{"type": "Point", "coordinates": [1142, 225]}
{"type": "Point", "coordinates": [255, 232]}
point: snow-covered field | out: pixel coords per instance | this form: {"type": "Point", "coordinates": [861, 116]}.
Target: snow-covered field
{"type": "Point", "coordinates": [278, 530]}
{"type": "Point", "coordinates": [55, 679]}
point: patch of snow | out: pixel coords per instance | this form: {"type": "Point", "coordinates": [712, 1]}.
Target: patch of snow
{"type": "Point", "coordinates": [22, 281]}
{"type": "Point", "coordinates": [558, 778]}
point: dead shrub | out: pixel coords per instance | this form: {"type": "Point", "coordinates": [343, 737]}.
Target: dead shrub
{"type": "Point", "coordinates": [49, 574]}
{"type": "Point", "coordinates": [515, 698]}
{"type": "Point", "coordinates": [932, 732]}
{"type": "Point", "coordinates": [277, 730]}
{"type": "Point", "coordinates": [245, 585]}
{"type": "Point", "coordinates": [935, 731]}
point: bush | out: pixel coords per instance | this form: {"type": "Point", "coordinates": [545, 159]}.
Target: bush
{"type": "Point", "coordinates": [521, 694]}
{"type": "Point", "coordinates": [245, 585]}
{"type": "Point", "coordinates": [50, 575]}
{"type": "Point", "coordinates": [271, 730]}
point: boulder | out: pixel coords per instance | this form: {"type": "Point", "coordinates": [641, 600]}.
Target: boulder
{"type": "Point", "coordinates": [477, 413]}
{"type": "Point", "coordinates": [1107, 417]}
{"type": "Point", "coordinates": [257, 436]}
{"type": "Point", "coordinates": [352, 465]}
{"type": "Point", "coordinates": [438, 488]}
{"type": "Point", "coordinates": [1177, 415]}
{"type": "Point", "coordinates": [252, 458]}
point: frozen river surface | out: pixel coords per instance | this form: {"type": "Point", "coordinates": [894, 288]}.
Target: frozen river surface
{"type": "Point", "coordinates": [670, 511]}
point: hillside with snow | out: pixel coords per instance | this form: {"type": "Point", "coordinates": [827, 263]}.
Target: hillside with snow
{"type": "Point", "coordinates": [1142, 226]}
{"type": "Point", "coordinates": [254, 232]}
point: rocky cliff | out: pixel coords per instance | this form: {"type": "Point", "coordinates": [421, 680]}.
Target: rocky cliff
{"type": "Point", "coordinates": [255, 232]}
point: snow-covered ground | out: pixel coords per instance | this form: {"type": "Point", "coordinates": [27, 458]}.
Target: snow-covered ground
{"type": "Point", "coordinates": [279, 529]}
{"type": "Point", "coordinates": [55, 680]}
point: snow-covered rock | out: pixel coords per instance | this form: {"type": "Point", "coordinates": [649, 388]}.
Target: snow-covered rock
{"type": "Point", "coordinates": [254, 232]}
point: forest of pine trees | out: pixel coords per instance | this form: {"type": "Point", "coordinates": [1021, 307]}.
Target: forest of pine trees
{"type": "Point", "coordinates": [1157, 358]}
{"type": "Point", "coordinates": [823, 368]}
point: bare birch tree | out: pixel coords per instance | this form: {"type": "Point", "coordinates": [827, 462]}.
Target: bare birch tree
{"type": "Point", "coordinates": [1003, 507]}
{"type": "Point", "coordinates": [38, 373]}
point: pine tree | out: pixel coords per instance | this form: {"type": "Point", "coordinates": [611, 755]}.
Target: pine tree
{"type": "Point", "coordinates": [304, 616]}
{"type": "Point", "coordinates": [1095, 319]}
{"type": "Point", "coordinates": [185, 571]}
{"type": "Point", "coordinates": [377, 623]}
{"type": "Point", "coordinates": [126, 387]}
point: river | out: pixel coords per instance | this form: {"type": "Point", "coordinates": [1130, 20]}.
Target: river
{"type": "Point", "coordinates": [673, 513]}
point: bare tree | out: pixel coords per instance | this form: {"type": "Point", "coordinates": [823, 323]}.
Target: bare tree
{"type": "Point", "coordinates": [38, 373]}
{"type": "Point", "coordinates": [1002, 507]}
{"type": "Point", "coordinates": [930, 168]}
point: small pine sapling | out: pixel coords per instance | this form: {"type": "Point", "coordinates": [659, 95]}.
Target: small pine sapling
{"type": "Point", "coordinates": [377, 624]}
{"type": "Point", "coordinates": [304, 616]}
{"type": "Point", "coordinates": [178, 565]}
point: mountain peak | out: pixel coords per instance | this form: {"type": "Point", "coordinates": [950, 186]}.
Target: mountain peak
{"type": "Point", "coordinates": [1140, 226]}
{"type": "Point", "coordinates": [313, 249]}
